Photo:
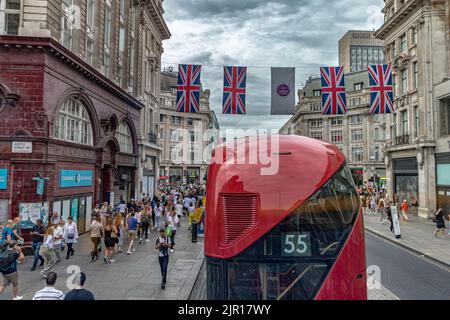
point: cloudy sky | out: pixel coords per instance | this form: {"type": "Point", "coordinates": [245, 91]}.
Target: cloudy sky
{"type": "Point", "coordinates": [260, 34]}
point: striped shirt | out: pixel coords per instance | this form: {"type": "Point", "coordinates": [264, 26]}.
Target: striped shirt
{"type": "Point", "coordinates": [49, 293]}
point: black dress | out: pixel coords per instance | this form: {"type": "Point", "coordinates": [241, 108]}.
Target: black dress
{"type": "Point", "coordinates": [109, 241]}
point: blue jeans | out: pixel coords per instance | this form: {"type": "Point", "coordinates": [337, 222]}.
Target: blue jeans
{"type": "Point", "coordinates": [163, 263]}
{"type": "Point", "coordinates": [36, 247]}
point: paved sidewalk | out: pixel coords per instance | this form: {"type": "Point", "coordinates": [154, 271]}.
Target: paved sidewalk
{"type": "Point", "coordinates": [134, 277]}
{"type": "Point", "coordinates": [417, 235]}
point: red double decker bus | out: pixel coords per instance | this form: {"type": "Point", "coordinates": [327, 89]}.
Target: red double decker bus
{"type": "Point", "coordinates": [294, 235]}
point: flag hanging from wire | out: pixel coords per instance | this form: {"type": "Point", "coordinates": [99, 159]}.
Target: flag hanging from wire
{"type": "Point", "coordinates": [334, 97]}
{"type": "Point", "coordinates": [189, 88]}
{"type": "Point", "coordinates": [381, 89]}
{"type": "Point", "coordinates": [234, 90]}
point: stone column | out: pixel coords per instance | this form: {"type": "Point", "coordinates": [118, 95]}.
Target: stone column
{"type": "Point", "coordinates": [427, 184]}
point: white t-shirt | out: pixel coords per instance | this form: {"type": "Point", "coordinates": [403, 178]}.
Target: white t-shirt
{"type": "Point", "coordinates": [186, 202]}
{"type": "Point", "coordinates": [122, 207]}
{"type": "Point", "coordinates": [59, 232]}
{"type": "Point", "coordinates": [178, 209]}
{"type": "Point", "coordinates": [48, 242]}
{"type": "Point", "coordinates": [158, 211]}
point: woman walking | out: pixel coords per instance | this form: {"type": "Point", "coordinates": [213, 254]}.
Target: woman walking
{"type": "Point", "coordinates": [405, 208]}
{"type": "Point", "coordinates": [415, 206]}
{"type": "Point", "coordinates": [70, 236]}
{"type": "Point", "coordinates": [47, 252]}
{"type": "Point", "coordinates": [110, 240]}
{"type": "Point", "coordinates": [145, 223]}
{"type": "Point", "coordinates": [173, 221]}
{"type": "Point", "coordinates": [118, 224]}
{"type": "Point", "coordinates": [440, 223]}
{"type": "Point", "coordinates": [96, 236]}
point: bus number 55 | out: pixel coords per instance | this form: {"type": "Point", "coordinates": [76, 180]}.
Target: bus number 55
{"type": "Point", "coordinates": [296, 244]}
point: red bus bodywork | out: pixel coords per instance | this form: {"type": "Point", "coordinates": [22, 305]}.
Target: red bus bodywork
{"type": "Point", "coordinates": [305, 165]}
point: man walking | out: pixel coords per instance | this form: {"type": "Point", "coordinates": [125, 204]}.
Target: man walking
{"type": "Point", "coordinates": [132, 225]}
{"type": "Point", "coordinates": [163, 245]}
{"type": "Point", "coordinates": [38, 234]}
{"type": "Point", "coordinates": [8, 268]}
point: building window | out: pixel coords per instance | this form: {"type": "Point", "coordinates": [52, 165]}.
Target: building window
{"type": "Point", "coordinates": [359, 86]}
{"type": "Point", "coordinates": [107, 38]}
{"type": "Point", "coordinates": [123, 136]}
{"type": "Point", "coordinates": [416, 75]}
{"type": "Point", "coordinates": [9, 17]}
{"type": "Point", "coordinates": [357, 154]}
{"type": "Point", "coordinates": [161, 134]}
{"type": "Point", "coordinates": [356, 119]}
{"type": "Point", "coordinates": [336, 121]}
{"type": "Point", "coordinates": [73, 124]}
{"type": "Point", "coordinates": [317, 93]}
{"type": "Point", "coordinates": [404, 116]}
{"type": "Point", "coordinates": [317, 135]}
{"type": "Point", "coordinates": [316, 106]}
{"type": "Point", "coordinates": [416, 122]}
{"type": "Point", "coordinates": [377, 153]}
{"type": "Point", "coordinates": [121, 40]}
{"type": "Point", "coordinates": [414, 36]}
{"type": "Point", "coordinates": [315, 123]}
{"type": "Point", "coordinates": [89, 50]}
{"type": "Point", "coordinates": [336, 136]}
{"type": "Point", "coordinates": [67, 23]}
{"type": "Point", "coordinates": [190, 122]}
{"type": "Point", "coordinates": [394, 126]}
{"type": "Point", "coordinates": [357, 135]}
{"type": "Point", "coordinates": [403, 44]}
{"type": "Point", "coordinates": [404, 81]}
{"type": "Point", "coordinates": [377, 133]}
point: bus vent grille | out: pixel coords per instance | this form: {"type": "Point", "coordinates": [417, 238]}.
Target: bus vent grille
{"type": "Point", "coordinates": [239, 216]}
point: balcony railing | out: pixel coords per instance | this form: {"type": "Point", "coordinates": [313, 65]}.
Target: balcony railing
{"type": "Point", "coordinates": [402, 140]}
{"type": "Point", "coordinates": [152, 138]}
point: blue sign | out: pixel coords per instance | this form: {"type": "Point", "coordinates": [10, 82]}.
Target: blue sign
{"type": "Point", "coordinates": [76, 178]}
{"type": "Point", "coordinates": [3, 179]}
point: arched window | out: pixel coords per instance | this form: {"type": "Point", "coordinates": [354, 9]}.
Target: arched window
{"type": "Point", "coordinates": [73, 124]}
{"type": "Point", "coordinates": [123, 135]}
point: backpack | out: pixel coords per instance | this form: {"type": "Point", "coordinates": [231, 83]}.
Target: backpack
{"type": "Point", "coordinates": [6, 260]}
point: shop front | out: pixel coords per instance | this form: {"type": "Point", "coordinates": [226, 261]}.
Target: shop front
{"type": "Point", "coordinates": [406, 178]}
{"type": "Point", "coordinates": [193, 175]}
{"type": "Point", "coordinates": [176, 175]}
{"type": "Point", "coordinates": [74, 196]}
{"type": "Point", "coordinates": [443, 181]}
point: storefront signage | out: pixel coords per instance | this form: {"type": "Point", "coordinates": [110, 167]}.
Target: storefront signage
{"type": "Point", "coordinates": [22, 147]}
{"type": "Point", "coordinates": [76, 178]}
{"type": "Point", "coordinates": [443, 174]}
{"type": "Point", "coordinates": [3, 179]}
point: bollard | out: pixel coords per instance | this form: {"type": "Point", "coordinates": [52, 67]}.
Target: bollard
{"type": "Point", "coordinates": [194, 231]}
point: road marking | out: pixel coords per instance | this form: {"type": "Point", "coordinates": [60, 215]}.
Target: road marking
{"type": "Point", "coordinates": [380, 293]}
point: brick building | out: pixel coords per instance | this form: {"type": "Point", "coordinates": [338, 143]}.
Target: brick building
{"type": "Point", "coordinates": [79, 83]}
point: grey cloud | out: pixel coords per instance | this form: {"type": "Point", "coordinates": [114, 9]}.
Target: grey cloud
{"type": "Point", "coordinates": [253, 33]}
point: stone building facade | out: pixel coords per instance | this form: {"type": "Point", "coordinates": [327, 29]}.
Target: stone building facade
{"type": "Point", "coordinates": [73, 91]}
{"type": "Point", "coordinates": [416, 38]}
{"type": "Point", "coordinates": [187, 139]}
{"type": "Point", "coordinates": [358, 134]}
{"type": "Point", "coordinates": [358, 49]}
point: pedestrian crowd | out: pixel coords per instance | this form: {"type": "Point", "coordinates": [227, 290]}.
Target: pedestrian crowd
{"type": "Point", "coordinates": [110, 228]}
{"type": "Point", "coordinates": [376, 202]}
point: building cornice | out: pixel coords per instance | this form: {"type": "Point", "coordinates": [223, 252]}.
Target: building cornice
{"type": "Point", "coordinates": [52, 47]}
{"type": "Point", "coordinates": [156, 14]}
{"type": "Point", "coordinates": [397, 18]}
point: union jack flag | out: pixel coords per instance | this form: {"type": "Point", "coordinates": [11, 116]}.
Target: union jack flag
{"type": "Point", "coordinates": [234, 85]}
{"type": "Point", "coordinates": [382, 94]}
{"type": "Point", "coordinates": [189, 87]}
{"type": "Point", "coordinates": [334, 98]}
